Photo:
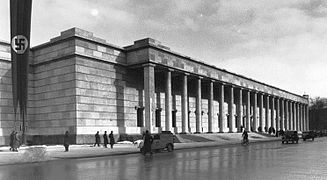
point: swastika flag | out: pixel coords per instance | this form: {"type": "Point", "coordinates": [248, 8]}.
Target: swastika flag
{"type": "Point", "coordinates": [20, 24]}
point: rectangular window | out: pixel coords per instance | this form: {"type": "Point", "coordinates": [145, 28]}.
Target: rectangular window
{"type": "Point", "coordinates": [174, 118]}
{"type": "Point", "coordinates": [228, 120]}
{"type": "Point", "coordinates": [158, 117]}
{"type": "Point", "coordinates": [140, 117]}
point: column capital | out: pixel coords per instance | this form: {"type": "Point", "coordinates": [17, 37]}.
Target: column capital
{"type": "Point", "coordinates": [249, 90]}
{"type": "Point", "coordinates": [185, 73]}
{"type": "Point", "coordinates": [170, 70]}
{"type": "Point", "coordinates": [260, 92]}
{"type": "Point", "coordinates": [149, 64]}
{"type": "Point", "coordinates": [231, 85]}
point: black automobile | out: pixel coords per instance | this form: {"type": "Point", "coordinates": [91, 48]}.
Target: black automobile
{"type": "Point", "coordinates": [290, 136]}
{"type": "Point", "coordinates": [309, 135]}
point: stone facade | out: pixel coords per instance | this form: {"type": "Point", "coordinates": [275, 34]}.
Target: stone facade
{"type": "Point", "coordinates": [83, 84]}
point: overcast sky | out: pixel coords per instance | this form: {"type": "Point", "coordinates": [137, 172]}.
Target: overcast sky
{"type": "Point", "coordinates": [279, 42]}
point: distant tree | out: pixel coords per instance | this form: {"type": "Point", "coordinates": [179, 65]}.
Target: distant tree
{"type": "Point", "coordinates": [317, 103]}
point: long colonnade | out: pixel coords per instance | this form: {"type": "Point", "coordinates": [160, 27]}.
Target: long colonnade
{"type": "Point", "coordinates": [285, 114]}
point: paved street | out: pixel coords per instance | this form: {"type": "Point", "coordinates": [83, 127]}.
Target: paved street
{"type": "Point", "coordinates": [270, 160]}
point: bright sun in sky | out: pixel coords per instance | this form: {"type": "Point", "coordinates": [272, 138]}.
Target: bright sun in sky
{"type": "Point", "coordinates": [94, 12]}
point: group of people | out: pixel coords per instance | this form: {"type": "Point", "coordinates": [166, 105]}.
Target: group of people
{"type": "Point", "coordinates": [111, 140]}
{"type": "Point", "coordinates": [106, 141]}
{"type": "Point", "coordinates": [14, 141]}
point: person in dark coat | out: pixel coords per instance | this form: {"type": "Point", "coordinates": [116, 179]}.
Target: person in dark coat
{"type": "Point", "coordinates": [245, 136]}
{"type": "Point", "coordinates": [16, 142]}
{"type": "Point", "coordinates": [97, 139]}
{"type": "Point", "coordinates": [270, 130]}
{"type": "Point", "coordinates": [105, 139]}
{"type": "Point", "coordinates": [147, 138]}
{"type": "Point", "coordinates": [66, 141]}
{"type": "Point", "coordinates": [11, 142]}
{"type": "Point", "coordinates": [112, 139]}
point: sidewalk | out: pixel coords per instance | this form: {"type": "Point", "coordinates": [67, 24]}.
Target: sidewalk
{"type": "Point", "coordinates": [55, 152]}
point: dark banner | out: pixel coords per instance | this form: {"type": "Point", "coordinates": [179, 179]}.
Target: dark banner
{"type": "Point", "coordinates": [20, 22]}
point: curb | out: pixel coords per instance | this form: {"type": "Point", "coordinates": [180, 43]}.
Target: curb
{"type": "Point", "coordinates": [204, 145]}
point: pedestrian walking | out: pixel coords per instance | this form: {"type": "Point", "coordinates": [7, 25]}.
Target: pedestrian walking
{"type": "Point", "coordinates": [66, 141]}
{"type": "Point", "coordinates": [112, 139]}
{"type": "Point", "coordinates": [147, 138]}
{"type": "Point", "coordinates": [16, 142]}
{"type": "Point", "coordinates": [97, 139]}
{"type": "Point", "coordinates": [11, 142]}
{"type": "Point", "coordinates": [105, 139]}
{"type": "Point", "coordinates": [245, 138]}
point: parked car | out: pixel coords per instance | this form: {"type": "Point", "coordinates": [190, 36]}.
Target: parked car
{"type": "Point", "coordinates": [161, 141]}
{"type": "Point", "coordinates": [321, 133]}
{"type": "Point", "coordinates": [290, 136]}
{"type": "Point", "coordinates": [309, 135]}
{"type": "Point", "coordinates": [300, 134]}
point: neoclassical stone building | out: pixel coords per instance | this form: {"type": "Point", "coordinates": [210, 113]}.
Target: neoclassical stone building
{"type": "Point", "coordinates": [83, 84]}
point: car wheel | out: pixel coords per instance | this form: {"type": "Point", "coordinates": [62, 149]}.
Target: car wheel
{"type": "Point", "coordinates": [313, 139]}
{"type": "Point", "coordinates": [282, 142]}
{"type": "Point", "coordinates": [303, 139]}
{"type": "Point", "coordinates": [170, 148]}
{"type": "Point", "coordinates": [297, 141]}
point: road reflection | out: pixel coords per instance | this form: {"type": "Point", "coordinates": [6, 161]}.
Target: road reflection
{"type": "Point", "coordinates": [257, 161]}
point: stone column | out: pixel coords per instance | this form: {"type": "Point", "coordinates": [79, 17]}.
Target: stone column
{"type": "Point", "coordinates": [239, 110]}
{"type": "Point", "coordinates": [273, 119]}
{"type": "Point", "coordinates": [307, 118]}
{"type": "Point", "coordinates": [278, 115]}
{"type": "Point", "coordinates": [261, 111]}
{"type": "Point", "coordinates": [291, 116]}
{"type": "Point", "coordinates": [230, 109]}
{"type": "Point", "coordinates": [301, 117]}
{"type": "Point", "coordinates": [282, 114]}
{"type": "Point", "coordinates": [287, 117]}
{"type": "Point", "coordinates": [210, 107]}
{"type": "Point", "coordinates": [248, 111]}
{"type": "Point", "coordinates": [304, 117]}
{"type": "Point", "coordinates": [297, 116]}
{"type": "Point", "coordinates": [255, 112]}
{"type": "Point", "coordinates": [198, 106]}
{"type": "Point", "coordinates": [184, 104]}
{"type": "Point", "coordinates": [168, 102]}
{"type": "Point", "coordinates": [294, 116]}
{"type": "Point", "coordinates": [149, 96]}
{"type": "Point", "coordinates": [267, 124]}
{"type": "Point", "coordinates": [221, 108]}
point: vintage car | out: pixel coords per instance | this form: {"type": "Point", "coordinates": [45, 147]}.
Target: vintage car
{"type": "Point", "coordinates": [161, 141]}
{"type": "Point", "coordinates": [290, 136]}
{"type": "Point", "coordinates": [309, 135]}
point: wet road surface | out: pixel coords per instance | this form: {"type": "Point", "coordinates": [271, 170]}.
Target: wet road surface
{"type": "Point", "coordinates": [272, 160]}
